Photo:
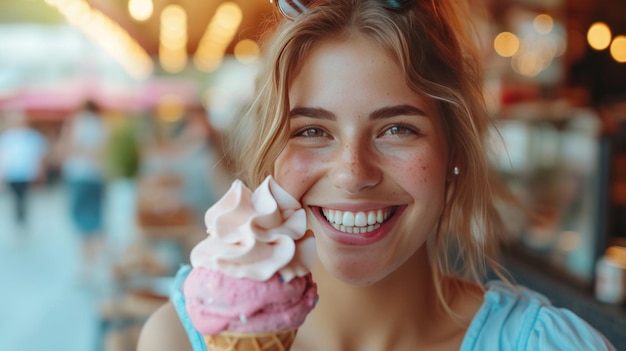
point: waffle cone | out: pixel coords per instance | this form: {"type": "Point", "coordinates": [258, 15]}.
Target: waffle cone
{"type": "Point", "coordinates": [233, 341]}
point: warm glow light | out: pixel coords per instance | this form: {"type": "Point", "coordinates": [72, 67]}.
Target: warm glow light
{"type": "Point", "coordinates": [217, 36]}
{"type": "Point", "coordinates": [78, 13]}
{"type": "Point", "coordinates": [140, 10]}
{"type": "Point", "coordinates": [107, 34]}
{"type": "Point", "coordinates": [246, 51]}
{"type": "Point", "coordinates": [528, 64]}
{"type": "Point", "coordinates": [170, 108]}
{"type": "Point", "coordinates": [618, 49]}
{"type": "Point", "coordinates": [599, 36]}
{"type": "Point", "coordinates": [543, 24]}
{"type": "Point", "coordinates": [533, 51]}
{"type": "Point", "coordinates": [173, 39]}
{"type": "Point", "coordinates": [506, 44]}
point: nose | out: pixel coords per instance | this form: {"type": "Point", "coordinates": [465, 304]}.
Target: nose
{"type": "Point", "coordinates": [355, 168]}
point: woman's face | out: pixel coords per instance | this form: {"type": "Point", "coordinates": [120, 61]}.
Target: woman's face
{"type": "Point", "coordinates": [366, 156]}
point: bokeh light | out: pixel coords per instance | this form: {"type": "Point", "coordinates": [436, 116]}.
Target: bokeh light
{"type": "Point", "coordinates": [506, 44]}
{"type": "Point", "coordinates": [140, 10]}
{"type": "Point", "coordinates": [599, 36]}
{"type": "Point", "coordinates": [247, 51]}
{"type": "Point", "coordinates": [543, 23]}
{"type": "Point", "coordinates": [618, 48]}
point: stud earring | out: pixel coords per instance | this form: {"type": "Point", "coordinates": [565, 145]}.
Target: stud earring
{"type": "Point", "coordinates": [456, 171]}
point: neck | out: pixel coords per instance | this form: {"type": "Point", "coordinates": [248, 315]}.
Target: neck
{"type": "Point", "coordinates": [411, 281]}
{"type": "Point", "coordinates": [381, 315]}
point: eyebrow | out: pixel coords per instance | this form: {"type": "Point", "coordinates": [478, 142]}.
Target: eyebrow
{"type": "Point", "coordinates": [381, 113]}
{"type": "Point", "coordinates": [397, 110]}
{"type": "Point", "coordinates": [312, 112]}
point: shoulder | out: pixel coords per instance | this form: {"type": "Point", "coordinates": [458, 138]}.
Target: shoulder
{"type": "Point", "coordinates": [517, 318]}
{"type": "Point", "coordinates": [163, 331]}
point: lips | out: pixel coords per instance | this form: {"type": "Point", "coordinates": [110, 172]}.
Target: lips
{"type": "Point", "coordinates": [359, 222]}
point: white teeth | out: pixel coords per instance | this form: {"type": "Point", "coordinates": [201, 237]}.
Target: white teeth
{"type": "Point", "coordinates": [356, 222]}
{"type": "Point", "coordinates": [380, 216]}
{"type": "Point", "coordinates": [348, 219]}
{"type": "Point", "coordinates": [360, 219]}
{"type": "Point", "coordinates": [337, 218]}
{"type": "Point", "coordinates": [371, 218]}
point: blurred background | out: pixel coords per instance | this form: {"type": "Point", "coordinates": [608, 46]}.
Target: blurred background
{"type": "Point", "coordinates": [113, 116]}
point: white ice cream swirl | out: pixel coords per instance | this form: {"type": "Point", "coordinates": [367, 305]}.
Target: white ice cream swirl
{"type": "Point", "coordinates": [256, 234]}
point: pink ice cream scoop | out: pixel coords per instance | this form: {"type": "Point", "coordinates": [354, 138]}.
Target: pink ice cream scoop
{"type": "Point", "coordinates": [217, 302]}
{"type": "Point", "coordinates": [252, 273]}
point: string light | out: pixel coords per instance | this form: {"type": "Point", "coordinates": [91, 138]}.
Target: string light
{"type": "Point", "coordinates": [140, 10]}
{"type": "Point", "coordinates": [599, 36]}
{"type": "Point", "coordinates": [107, 34]}
{"type": "Point", "coordinates": [217, 36]}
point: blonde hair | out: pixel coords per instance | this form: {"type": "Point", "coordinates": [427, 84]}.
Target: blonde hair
{"type": "Point", "coordinates": [433, 44]}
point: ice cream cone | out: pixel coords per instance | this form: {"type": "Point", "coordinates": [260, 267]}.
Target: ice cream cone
{"type": "Point", "coordinates": [250, 285]}
{"type": "Point", "coordinates": [232, 341]}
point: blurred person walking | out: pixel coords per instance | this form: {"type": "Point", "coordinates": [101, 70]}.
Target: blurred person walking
{"type": "Point", "coordinates": [83, 143]}
{"type": "Point", "coordinates": [22, 161]}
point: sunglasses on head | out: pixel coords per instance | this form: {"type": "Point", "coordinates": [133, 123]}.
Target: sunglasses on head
{"type": "Point", "coordinates": [291, 9]}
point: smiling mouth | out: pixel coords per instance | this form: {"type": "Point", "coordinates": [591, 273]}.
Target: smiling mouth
{"type": "Point", "coordinates": [360, 222]}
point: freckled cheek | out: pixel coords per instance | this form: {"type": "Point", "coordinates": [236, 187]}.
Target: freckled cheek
{"type": "Point", "coordinates": [423, 169]}
{"type": "Point", "coordinates": [296, 171]}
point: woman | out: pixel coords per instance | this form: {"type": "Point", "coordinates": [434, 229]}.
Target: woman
{"type": "Point", "coordinates": [373, 108]}
{"type": "Point", "coordinates": [83, 140]}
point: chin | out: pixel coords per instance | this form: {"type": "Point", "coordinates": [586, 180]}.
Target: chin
{"type": "Point", "coordinates": [356, 272]}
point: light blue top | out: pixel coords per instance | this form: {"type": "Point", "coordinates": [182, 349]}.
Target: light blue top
{"type": "Point", "coordinates": [510, 321]}
{"type": "Point", "coordinates": [178, 300]}
{"type": "Point", "coordinates": [507, 321]}
{"type": "Point", "coordinates": [88, 137]}
{"type": "Point", "coordinates": [22, 152]}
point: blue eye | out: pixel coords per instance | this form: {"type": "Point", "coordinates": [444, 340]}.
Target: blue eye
{"type": "Point", "coordinates": [311, 132]}
{"type": "Point", "coordinates": [400, 130]}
